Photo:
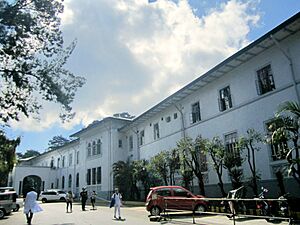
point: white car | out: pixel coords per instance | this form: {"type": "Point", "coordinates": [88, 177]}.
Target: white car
{"type": "Point", "coordinates": [52, 195]}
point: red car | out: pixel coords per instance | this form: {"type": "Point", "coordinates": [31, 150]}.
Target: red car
{"type": "Point", "coordinates": [173, 197]}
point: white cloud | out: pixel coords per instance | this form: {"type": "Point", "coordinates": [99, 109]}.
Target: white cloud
{"type": "Point", "coordinates": [134, 54]}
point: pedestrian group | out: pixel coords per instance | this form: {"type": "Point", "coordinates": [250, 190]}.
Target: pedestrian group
{"type": "Point", "coordinates": [31, 205]}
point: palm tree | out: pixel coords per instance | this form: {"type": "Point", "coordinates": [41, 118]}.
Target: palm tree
{"type": "Point", "coordinates": [123, 178]}
{"type": "Point", "coordinates": [285, 127]}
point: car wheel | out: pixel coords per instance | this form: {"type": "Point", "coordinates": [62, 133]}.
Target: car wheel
{"type": "Point", "coordinates": [17, 208]}
{"type": "Point", "coordinates": [62, 199]}
{"type": "Point", "coordinates": [2, 213]}
{"type": "Point", "coordinates": [155, 211]}
{"type": "Point", "coordinates": [199, 209]}
{"type": "Point", "coordinates": [44, 200]}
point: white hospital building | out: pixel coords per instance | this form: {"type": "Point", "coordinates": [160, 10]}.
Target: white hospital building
{"type": "Point", "coordinates": [241, 92]}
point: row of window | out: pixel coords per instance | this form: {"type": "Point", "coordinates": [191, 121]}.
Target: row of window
{"type": "Point", "coordinates": [264, 83]}
{"type": "Point", "coordinates": [63, 182]}
{"type": "Point", "coordinates": [63, 163]}
{"type": "Point", "coordinates": [93, 176]}
{"type": "Point", "coordinates": [94, 148]}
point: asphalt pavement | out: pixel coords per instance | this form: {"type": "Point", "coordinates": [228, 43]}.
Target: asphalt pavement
{"type": "Point", "coordinates": [55, 214]}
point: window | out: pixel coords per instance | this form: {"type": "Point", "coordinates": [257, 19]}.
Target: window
{"type": "Point", "coordinates": [142, 137]}
{"type": "Point", "coordinates": [180, 192]}
{"type": "Point", "coordinates": [94, 147]}
{"type": "Point", "coordinates": [94, 176]}
{"type": "Point", "coordinates": [225, 99]}
{"type": "Point", "coordinates": [52, 163]}
{"type": "Point", "coordinates": [202, 159]}
{"type": "Point", "coordinates": [88, 177]}
{"type": "Point", "coordinates": [168, 119]}
{"type": "Point", "coordinates": [77, 180]}
{"type": "Point", "coordinates": [63, 161]}
{"type": "Point", "coordinates": [196, 117]}
{"type": "Point", "coordinates": [156, 131]}
{"type": "Point", "coordinates": [99, 143]}
{"type": "Point", "coordinates": [279, 149]}
{"type": "Point", "coordinates": [175, 116]}
{"type": "Point", "coordinates": [130, 143]}
{"type": "Point", "coordinates": [120, 144]}
{"type": "Point", "coordinates": [70, 159]}
{"type": "Point", "coordinates": [265, 82]}
{"type": "Point", "coordinates": [164, 192]}
{"type": "Point", "coordinates": [231, 147]}
{"type": "Point", "coordinates": [63, 182]}
{"type": "Point", "coordinates": [70, 181]}
{"type": "Point", "coordinates": [58, 162]}
{"type": "Point", "coordinates": [77, 157]}
{"type": "Point", "coordinates": [89, 150]}
{"type": "Point", "coordinates": [98, 175]}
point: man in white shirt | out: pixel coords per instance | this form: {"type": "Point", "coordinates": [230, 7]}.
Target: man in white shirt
{"type": "Point", "coordinates": [30, 205]}
{"type": "Point", "coordinates": [118, 202]}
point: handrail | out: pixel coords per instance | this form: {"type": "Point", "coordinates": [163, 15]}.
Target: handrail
{"type": "Point", "coordinates": [235, 213]}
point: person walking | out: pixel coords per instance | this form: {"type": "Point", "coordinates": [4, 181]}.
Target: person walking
{"type": "Point", "coordinates": [93, 199]}
{"type": "Point", "coordinates": [118, 202]}
{"type": "Point", "coordinates": [84, 197]}
{"type": "Point", "coordinates": [30, 205]}
{"type": "Point", "coordinates": [69, 200]}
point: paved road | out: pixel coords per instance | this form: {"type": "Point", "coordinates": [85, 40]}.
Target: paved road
{"type": "Point", "coordinates": [55, 214]}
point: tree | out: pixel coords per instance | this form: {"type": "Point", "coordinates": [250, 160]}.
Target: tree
{"type": "Point", "coordinates": [248, 143]}
{"type": "Point", "coordinates": [57, 141]}
{"type": "Point", "coordinates": [215, 148]}
{"type": "Point", "coordinates": [140, 173]}
{"type": "Point", "coordinates": [123, 177]}
{"type": "Point", "coordinates": [192, 155]}
{"type": "Point", "coordinates": [30, 153]}
{"type": "Point", "coordinates": [159, 166]}
{"type": "Point", "coordinates": [173, 164]}
{"type": "Point", "coordinates": [284, 128]}
{"type": "Point", "coordinates": [232, 160]}
{"type": "Point", "coordinates": [7, 156]}
{"type": "Point", "coordinates": [32, 59]}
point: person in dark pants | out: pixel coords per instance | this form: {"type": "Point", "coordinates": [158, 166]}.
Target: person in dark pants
{"type": "Point", "coordinates": [30, 205]}
{"type": "Point", "coordinates": [84, 197]}
{"type": "Point", "coordinates": [93, 199]}
{"type": "Point", "coordinates": [69, 200]}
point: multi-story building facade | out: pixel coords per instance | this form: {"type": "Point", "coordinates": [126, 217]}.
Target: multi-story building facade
{"type": "Point", "coordinates": [242, 92]}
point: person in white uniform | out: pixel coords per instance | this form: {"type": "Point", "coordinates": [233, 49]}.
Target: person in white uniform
{"type": "Point", "coordinates": [30, 205]}
{"type": "Point", "coordinates": [118, 202]}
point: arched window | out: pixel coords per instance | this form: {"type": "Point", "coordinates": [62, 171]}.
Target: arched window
{"type": "Point", "coordinates": [94, 147]}
{"type": "Point", "coordinates": [77, 180]}
{"type": "Point", "coordinates": [99, 147]}
{"type": "Point", "coordinates": [89, 149]}
{"type": "Point", "coordinates": [63, 182]}
{"type": "Point", "coordinates": [70, 181]}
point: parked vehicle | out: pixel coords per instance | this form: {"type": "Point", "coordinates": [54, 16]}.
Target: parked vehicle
{"type": "Point", "coordinates": [268, 208]}
{"type": "Point", "coordinates": [17, 203]}
{"type": "Point", "coordinates": [52, 195]}
{"type": "Point", "coordinates": [173, 198]}
{"type": "Point", "coordinates": [6, 203]}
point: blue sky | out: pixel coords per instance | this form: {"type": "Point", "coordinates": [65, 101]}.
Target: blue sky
{"type": "Point", "coordinates": [135, 46]}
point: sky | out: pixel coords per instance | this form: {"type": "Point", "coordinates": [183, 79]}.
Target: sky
{"type": "Point", "coordinates": [135, 53]}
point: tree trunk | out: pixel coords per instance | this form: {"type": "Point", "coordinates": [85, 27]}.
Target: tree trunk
{"type": "Point", "coordinates": [201, 183]}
